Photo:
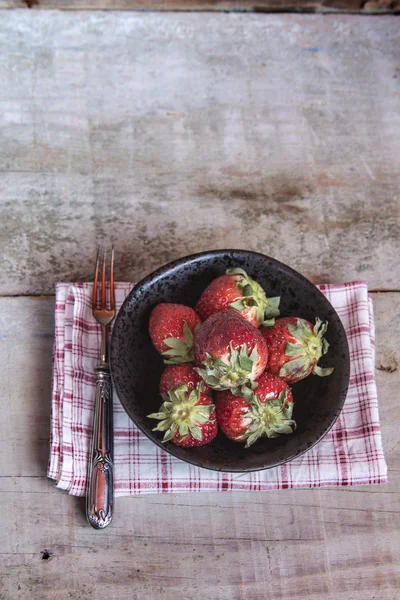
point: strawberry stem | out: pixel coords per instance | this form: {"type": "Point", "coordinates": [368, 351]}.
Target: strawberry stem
{"type": "Point", "coordinates": [221, 375]}
{"type": "Point", "coordinates": [310, 346]}
{"type": "Point", "coordinates": [181, 414]}
{"type": "Point", "coordinates": [270, 419]}
{"type": "Point", "coordinates": [180, 351]}
{"type": "Point", "coordinates": [254, 295]}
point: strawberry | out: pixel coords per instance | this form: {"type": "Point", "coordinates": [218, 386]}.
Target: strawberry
{"type": "Point", "coordinates": [229, 351]}
{"type": "Point", "coordinates": [238, 291]}
{"type": "Point", "coordinates": [295, 347]}
{"type": "Point", "coordinates": [265, 411]}
{"type": "Point", "coordinates": [176, 375]}
{"type": "Point", "coordinates": [171, 328]}
{"type": "Point", "coordinates": [187, 415]}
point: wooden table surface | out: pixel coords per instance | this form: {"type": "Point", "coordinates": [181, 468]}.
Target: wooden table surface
{"type": "Point", "coordinates": [168, 134]}
{"type": "Point", "coordinates": [258, 6]}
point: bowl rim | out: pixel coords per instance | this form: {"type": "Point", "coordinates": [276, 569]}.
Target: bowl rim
{"type": "Point", "coordinates": [160, 271]}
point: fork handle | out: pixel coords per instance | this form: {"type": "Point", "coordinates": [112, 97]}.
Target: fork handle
{"type": "Point", "coordinates": [100, 495]}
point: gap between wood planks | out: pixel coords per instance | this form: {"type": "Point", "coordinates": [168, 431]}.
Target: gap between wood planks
{"type": "Point", "coordinates": [361, 7]}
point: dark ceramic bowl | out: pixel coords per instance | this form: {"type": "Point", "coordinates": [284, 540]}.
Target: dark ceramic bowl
{"type": "Point", "coordinates": [136, 366]}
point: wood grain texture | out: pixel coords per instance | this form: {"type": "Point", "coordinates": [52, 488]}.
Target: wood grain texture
{"type": "Point", "coordinates": [169, 134]}
{"type": "Point", "coordinates": [206, 5]}
{"type": "Point", "coordinates": [259, 6]}
{"type": "Point", "coordinates": [175, 133]}
{"type": "Point", "coordinates": [336, 544]}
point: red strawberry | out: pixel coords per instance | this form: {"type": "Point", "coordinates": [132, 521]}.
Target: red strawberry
{"type": "Point", "coordinates": [229, 350]}
{"type": "Point", "coordinates": [176, 375]}
{"type": "Point", "coordinates": [238, 291]}
{"type": "Point", "coordinates": [171, 328]}
{"type": "Point", "coordinates": [266, 411]}
{"type": "Point", "coordinates": [294, 348]}
{"type": "Point", "coordinates": [187, 416]}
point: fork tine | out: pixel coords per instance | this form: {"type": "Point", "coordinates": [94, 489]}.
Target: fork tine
{"type": "Point", "coordinates": [112, 291]}
{"type": "Point", "coordinates": [103, 281]}
{"type": "Point", "coordinates": [96, 277]}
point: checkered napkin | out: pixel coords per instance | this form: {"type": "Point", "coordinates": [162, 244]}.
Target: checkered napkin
{"type": "Point", "coordinates": [351, 453]}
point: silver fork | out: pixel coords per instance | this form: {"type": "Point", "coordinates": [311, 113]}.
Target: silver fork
{"type": "Point", "coordinates": [100, 493]}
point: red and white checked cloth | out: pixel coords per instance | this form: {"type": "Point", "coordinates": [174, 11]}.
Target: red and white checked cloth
{"type": "Point", "coordinates": [351, 453]}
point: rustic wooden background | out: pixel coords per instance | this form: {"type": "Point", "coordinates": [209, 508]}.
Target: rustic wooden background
{"type": "Point", "coordinates": [171, 133]}
{"type": "Point", "coordinates": [323, 6]}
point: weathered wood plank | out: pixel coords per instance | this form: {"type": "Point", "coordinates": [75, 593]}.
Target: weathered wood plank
{"type": "Point", "coordinates": [205, 5]}
{"type": "Point", "coordinates": [26, 349]}
{"type": "Point", "coordinates": [339, 544]}
{"type": "Point", "coordinates": [175, 133]}
{"type": "Point", "coordinates": [259, 6]}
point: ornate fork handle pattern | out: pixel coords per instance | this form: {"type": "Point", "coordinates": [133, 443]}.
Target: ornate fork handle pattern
{"type": "Point", "coordinates": [100, 496]}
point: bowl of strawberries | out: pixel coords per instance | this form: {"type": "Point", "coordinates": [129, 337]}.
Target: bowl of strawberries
{"type": "Point", "coordinates": [230, 360]}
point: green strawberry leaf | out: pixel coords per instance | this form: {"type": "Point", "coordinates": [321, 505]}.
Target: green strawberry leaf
{"type": "Point", "coordinates": [204, 409]}
{"type": "Point", "coordinates": [179, 360]}
{"type": "Point", "coordinates": [179, 352]}
{"type": "Point", "coordinates": [162, 425]}
{"type": "Point", "coordinates": [159, 415]}
{"type": "Point", "coordinates": [323, 372]}
{"type": "Point", "coordinates": [271, 309]}
{"type": "Point", "coordinates": [312, 346]}
{"type": "Point", "coordinates": [188, 335]}
{"type": "Point", "coordinates": [238, 305]}
{"type": "Point", "coordinates": [295, 368]}
{"type": "Point", "coordinates": [196, 432]}
{"type": "Point", "coordinates": [286, 428]}
{"type": "Point", "coordinates": [268, 322]}
{"type": "Point", "coordinates": [246, 363]}
{"type": "Point", "coordinates": [325, 346]}
{"type": "Point", "coordinates": [237, 271]}
{"type": "Point", "coordinates": [301, 331]}
{"type": "Point", "coordinates": [253, 438]}
{"type": "Point", "coordinates": [254, 295]}
{"type": "Point", "coordinates": [175, 344]}
{"type": "Point", "coordinates": [247, 290]}
{"type": "Point", "coordinates": [270, 419]}
{"type": "Point", "coordinates": [234, 355]}
{"type": "Point", "coordinates": [170, 433]}
{"type": "Point", "coordinates": [221, 375]}
{"type": "Point", "coordinates": [320, 327]}
{"type": "Point", "coordinates": [201, 414]}
{"type": "Point", "coordinates": [246, 392]}
{"type": "Point", "coordinates": [182, 413]}
{"type": "Point", "coordinates": [254, 355]}
{"type": "Point", "coordinates": [295, 349]}
{"type": "Point", "coordinates": [183, 430]}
